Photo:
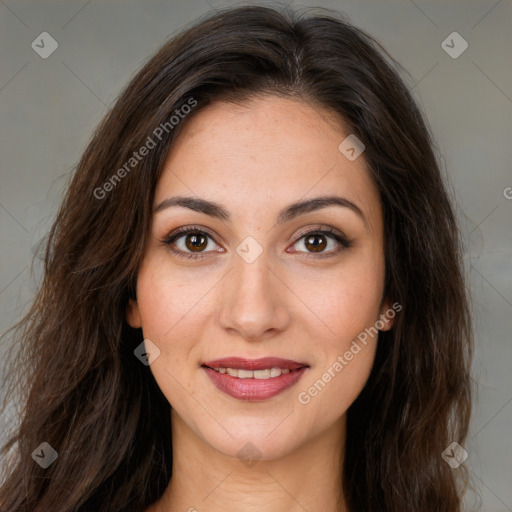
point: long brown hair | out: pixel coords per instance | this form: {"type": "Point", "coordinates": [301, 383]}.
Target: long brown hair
{"type": "Point", "coordinates": [82, 389]}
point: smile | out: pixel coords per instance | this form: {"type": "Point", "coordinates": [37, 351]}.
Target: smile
{"type": "Point", "coordinates": [269, 373]}
{"type": "Point", "coordinates": [253, 380]}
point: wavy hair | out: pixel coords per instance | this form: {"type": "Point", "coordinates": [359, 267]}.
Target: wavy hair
{"type": "Point", "coordinates": [74, 374]}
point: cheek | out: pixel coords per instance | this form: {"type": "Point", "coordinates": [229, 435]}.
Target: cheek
{"type": "Point", "coordinates": [344, 358]}
{"type": "Point", "coordinates": [168, 318]}
{"type": "Point", "coordinates": [330, 392]}
{"type": "Point", "coordinates": [345, 299]}
{"type": "Point", "coordinates": [348, 304]}
{"type": "Point", "coordinates": [175, 305]}
{"type": "Point", "coordinates": [169, 301]}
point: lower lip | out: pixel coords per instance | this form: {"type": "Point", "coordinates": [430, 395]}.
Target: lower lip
{"type": "Point", "coordinates": [253, 389]}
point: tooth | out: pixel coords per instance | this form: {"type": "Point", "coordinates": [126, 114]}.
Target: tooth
{"type": "Point", "coordinates": [262, 374]}
{"type": "Point", "coordinates": [275, 372]}
{"type": "Point", "coordinates": [256, 374]}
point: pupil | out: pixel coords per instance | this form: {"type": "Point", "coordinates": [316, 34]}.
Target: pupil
{"type": "Point", "coordinates": [195, 241]}
{"type": "Point", "coordinates": [316, 246]}
{"type": "Point", "coordinates": [197, 244]}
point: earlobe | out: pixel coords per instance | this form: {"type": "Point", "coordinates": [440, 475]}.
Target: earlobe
{"type": "Point", "coordinates": [386, 318]}
{"type": "Point", "coordinates": [133, 314]}
{"type": "Point", "coordinates": [386, 322]}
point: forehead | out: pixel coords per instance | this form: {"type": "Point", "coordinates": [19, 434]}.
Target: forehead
{"type": "Point", "coordinates": [268, 150]}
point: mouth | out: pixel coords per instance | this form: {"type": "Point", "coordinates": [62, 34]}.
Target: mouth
{"type": "Point", "coordinates": [254, 379]}
{"type": "Point", "coordinates": [269, 373]}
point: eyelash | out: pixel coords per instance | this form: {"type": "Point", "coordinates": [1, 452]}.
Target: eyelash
{"type": "Point", "coordinates": [329, 233]}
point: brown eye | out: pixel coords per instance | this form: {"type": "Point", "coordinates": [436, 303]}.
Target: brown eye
{"type": "Point", "coordinates": [189, 242]}
{"type": "Point", "coordinates": [196, 241]}
{"type": "Point", "coordinates": [192, 242]}
{"type": "Point", "coordinates": [316, 243]}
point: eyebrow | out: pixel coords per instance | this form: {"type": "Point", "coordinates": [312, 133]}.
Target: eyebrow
{"type": "Point", "coordinates": [290, 212]}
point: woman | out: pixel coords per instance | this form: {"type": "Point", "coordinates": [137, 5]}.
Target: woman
{"type": "Point", "coordinates": [253, 295]}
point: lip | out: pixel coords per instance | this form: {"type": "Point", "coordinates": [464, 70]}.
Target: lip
{"type": "Point", "coordinates": [254, 389]}
{"type": "Point", "coordinates": [240, 363]}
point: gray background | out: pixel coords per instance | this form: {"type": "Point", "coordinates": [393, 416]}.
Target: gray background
{"type": "Point", "coordinates": [49, 108]}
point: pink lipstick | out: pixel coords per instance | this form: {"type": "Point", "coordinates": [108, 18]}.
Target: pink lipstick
{"type": "Point", "coordinates": [253, 379]}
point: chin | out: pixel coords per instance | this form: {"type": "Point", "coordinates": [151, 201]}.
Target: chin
{"type": "Point", "coordinates": [255, 444]}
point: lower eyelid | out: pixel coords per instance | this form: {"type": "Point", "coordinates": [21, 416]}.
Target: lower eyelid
{"type": "Point", "coordinates": [170, 242]}
{"type": "Point", "coordinates": [340, 241]}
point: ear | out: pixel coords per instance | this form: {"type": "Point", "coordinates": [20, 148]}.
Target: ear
{"type": "Point", "coordinates": [387, 315]}
{"type": "Point", "coordinates": [133, 314]}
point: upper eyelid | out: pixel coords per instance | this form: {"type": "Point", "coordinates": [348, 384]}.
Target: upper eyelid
{"type": "Point", "coordinates": [328, 231]}
{"type": "Point", "coordinates": [179, 232]}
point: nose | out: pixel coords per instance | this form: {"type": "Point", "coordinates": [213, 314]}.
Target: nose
{"type": "Point", "coordinates": [253, 301]}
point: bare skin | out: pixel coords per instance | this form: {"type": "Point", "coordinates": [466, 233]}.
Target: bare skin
{"type": "Point", "coordinates": [292, 301]}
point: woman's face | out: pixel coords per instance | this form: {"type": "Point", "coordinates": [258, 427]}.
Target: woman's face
{"type": "Point", "coordinates": [249, 282]}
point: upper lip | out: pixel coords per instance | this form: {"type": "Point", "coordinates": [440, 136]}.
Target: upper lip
{"type": "Point", "coordinates": [264, 363]}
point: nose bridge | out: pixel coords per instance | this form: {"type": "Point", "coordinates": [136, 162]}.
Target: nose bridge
{"type": "Point", "coordinates": [251, 301]}
{"type": "Point", "coordinates": [253, 277]}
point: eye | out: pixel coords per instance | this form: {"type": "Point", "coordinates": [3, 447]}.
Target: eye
{"type": "Point", "coordinates": [196, 242]}
{"type": "Point", "coordinates": [194, 239]}
{"type": "Point", "coordinates": [316, 241]}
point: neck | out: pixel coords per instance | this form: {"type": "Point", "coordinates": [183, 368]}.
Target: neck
{"type": "Point", "coordinates": [309, 478]}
